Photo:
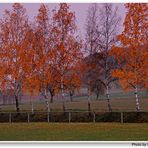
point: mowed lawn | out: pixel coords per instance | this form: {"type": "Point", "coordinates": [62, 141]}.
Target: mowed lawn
{"type": "Point", "coordinates": [73, 132]}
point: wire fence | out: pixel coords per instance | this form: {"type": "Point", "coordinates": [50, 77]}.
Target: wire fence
{"type": "Point", "coordinates": [74, 116]}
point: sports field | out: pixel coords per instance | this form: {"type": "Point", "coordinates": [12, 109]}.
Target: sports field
{"type": "Point", "coordinates": [73, 132]}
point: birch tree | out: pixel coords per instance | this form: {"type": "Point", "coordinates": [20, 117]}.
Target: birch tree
{"type": "Point", "coordinates": [91, 48]}
{"type": "Point", "coordinates": [66, 46]}
{"type": "Point", "coordinates": [102, 28]}
{"type": "Point", "coordinates": [133, 52]}
{"type": "Point", "coordinates": [42, 50]}
{"type": "Point", "coordinates": [109, 26]}
{"type": "Point", "coordinates": [14, 45]}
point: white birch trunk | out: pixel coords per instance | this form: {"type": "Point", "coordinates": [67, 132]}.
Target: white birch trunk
{"type": "Point", "coordinates": [47, 104]}
{"type": "Point", "coordinates": [62, 91]}
{"type": "Point", "coordinates": [32, 107]}
{"type": "Point", "coordinates": [108, 99]}
{"type": "Point", "coordinates": [137, 99]}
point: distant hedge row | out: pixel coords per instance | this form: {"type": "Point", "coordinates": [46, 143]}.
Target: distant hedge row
{"type": "Point", "coordinates": [126, 117]}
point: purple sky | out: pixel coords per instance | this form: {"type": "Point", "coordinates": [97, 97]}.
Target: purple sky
{"type": "Point", "coordinates": [80, 10]}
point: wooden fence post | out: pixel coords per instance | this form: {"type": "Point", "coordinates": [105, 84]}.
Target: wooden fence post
{"type": "Point", "coordinates": [10, 120]}
{"type": "Point", "coordinates": [28, 117]}
{"type": "Point", "coordinates": [121, 117]}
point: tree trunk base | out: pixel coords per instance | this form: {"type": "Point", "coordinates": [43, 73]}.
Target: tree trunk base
{"type": "Point", "coordinates": [64, 109]}
{"type": "Point", "coordinates": [89, 109]}
{"type": "Point", "coordinates": [17, 104]}
{"type": "Point", "coordinates": [109, 105]}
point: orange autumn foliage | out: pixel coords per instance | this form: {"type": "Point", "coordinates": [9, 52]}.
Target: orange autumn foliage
{"type": "Point", "coordinates": [14, 48]}
{"type": "Point", "coordinates": [37, 57]}
{"type": "Point", "coordinates": [55, 50]}
{"type": "Point", "coordinates": [132, 54]}
{"type": "Point", "coordinates": [41, 48]}
{"type": "Point", "coordinates": [66, 51]}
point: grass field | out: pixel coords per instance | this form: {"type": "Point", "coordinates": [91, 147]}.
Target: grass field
{"type": "Point", "coordinates": [73, 132]}
{"type": "Point", "coordinates": [124, 104]}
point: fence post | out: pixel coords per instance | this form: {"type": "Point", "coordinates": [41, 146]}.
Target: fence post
{"type": "Point", "coordinates": [121, 117]}
{"type": "Point", "coordinates": [69, 117]}
{"type": "Point", "coordinates": [10, 118]}
{"type": "Point", "coordinates": [28, 117]}
{"type": "Point", "coordinates": [94, 117]}
{"type": "Point", "coordinates": [48, 117]}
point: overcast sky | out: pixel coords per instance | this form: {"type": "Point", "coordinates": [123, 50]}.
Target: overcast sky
{"type": "Point", "coordinates": [80, 10]}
